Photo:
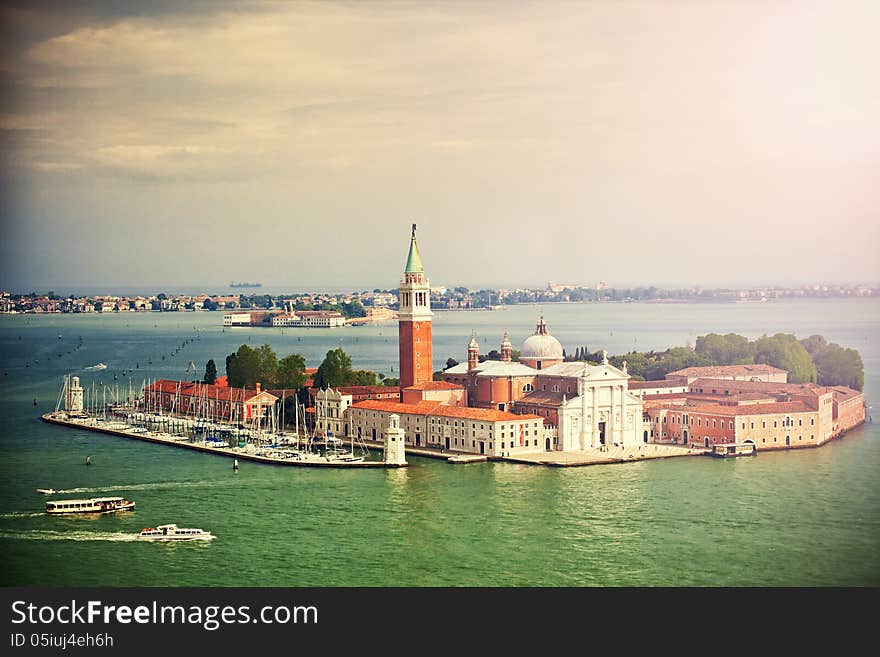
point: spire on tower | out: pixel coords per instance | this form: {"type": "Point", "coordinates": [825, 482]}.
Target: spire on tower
{"type": "Point", "coordinates": [414, 261]}
{"type": "Point", "coordinates": [473, 343]}
{"type": "Point", "coordinates": [506, 349]}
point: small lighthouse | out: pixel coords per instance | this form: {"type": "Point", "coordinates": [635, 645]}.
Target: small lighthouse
{"type": "Point", "coordinates": [395, 445]}
{"type": "Point", "coordinates": [73, 400]}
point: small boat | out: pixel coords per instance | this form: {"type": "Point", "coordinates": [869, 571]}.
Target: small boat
{"type": "Point", "coordinates": [94, 368]}
{"type": "Point", "coordinates": [726, 451]}
{"type": "Point", "coordinates": [174, 533]}
{"type": "Point", "coordinates": [94, 505]}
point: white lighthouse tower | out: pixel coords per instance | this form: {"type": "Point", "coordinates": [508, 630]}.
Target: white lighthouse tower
{"type": "Point", "coordinates": [395, 445]}
{"type": "Point", "coordinates": [73, 400]}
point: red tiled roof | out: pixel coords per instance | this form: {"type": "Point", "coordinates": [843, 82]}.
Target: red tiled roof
{"type": "Point", "coordinates": [710, 371]}
{"type": "Point", "coordinates": [759, 386]}
{"type": "Point", "coordinates": [638, 385]}
{"type": "Point", "coordinates": [750, 409]}
{"type": "Point", "coordinates": [190, 389]}
{"type": "Point", "coordinates": [435, 408]}
{"type": "Point", "coordinates": [435, 385]}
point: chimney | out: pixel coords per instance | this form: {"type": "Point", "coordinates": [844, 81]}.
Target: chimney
{"type": "Point", "coordinates": [258, 388]}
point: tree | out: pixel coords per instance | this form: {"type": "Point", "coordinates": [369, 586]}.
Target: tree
{"type": "Point", "coordinates": [837, 366]}
{"type": "Point", "coordinates": [353, 309]}
{"type": "Point", "coordinates": [730, 349]}
{"type": "Point", "coordinates": [361, 378]}
{"type": "Point", "coordinates": [291, 372]}
{"type": "Point", "coordinates": [244, 370]}
{"type": "Point", "coordinates": [209, 304]}
{"type": "Point", "coordinates": [334, 369]}
{"type": "Point", "coordinates": [229, 360]}
{"type": "Point", "coordinates": [267, 367]}
{"type": "Point", "coordinates": [210, 372]}
{"type": "Point", "coordinates": [388, 381]}
{"type": "Point", "coordinates": [450, 362]}
{"type": "Point", "coordinates": [785, 352]}
{"type": "Point", "coordinates": [814, 344]}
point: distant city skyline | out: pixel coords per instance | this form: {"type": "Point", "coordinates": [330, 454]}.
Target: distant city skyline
{"type": "Point", "coordinates": [167, 145]}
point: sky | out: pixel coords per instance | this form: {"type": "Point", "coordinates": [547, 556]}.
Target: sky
{"type": "Point", "coordinates": [672, 143]}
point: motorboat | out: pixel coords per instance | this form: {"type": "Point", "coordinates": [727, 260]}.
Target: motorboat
{"type": "Point", "coordinates": [174, 533]}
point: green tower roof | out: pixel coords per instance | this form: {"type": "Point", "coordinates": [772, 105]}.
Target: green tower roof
{"type": "Point", "coordinates": [414, 261]}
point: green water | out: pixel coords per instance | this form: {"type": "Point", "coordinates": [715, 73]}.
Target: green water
{"type": "Point", "coordinates": [791, 518]}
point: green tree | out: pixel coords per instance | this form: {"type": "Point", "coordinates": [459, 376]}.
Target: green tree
{"type": "Point", "coordinates": [837, 366]}
{"type": "Point", "coordinates": [388, 381]}
{"type": "Point", "coordinates": [814, 344]}
{"type": "Point", "coordinates": [334, 369]}
{"type": "Point", "coordinates": [244, 370]}
{"type": "Point", "coordinates": [267, 368]}
{"type": "Point", "coordinates": [450, 362]}
{"type": "Point", "coordinates": [785, 352]}
{"type": "Point", "coordinates": [353, 309]}
{"type": "Point", "coordinates": [291, 372]}
{"type": "Point", "coordinates": [361, 378]}
{"type": "Point", "coordinates": [210, 372]}
{"type": "Point", "coordinates": [730, 349]}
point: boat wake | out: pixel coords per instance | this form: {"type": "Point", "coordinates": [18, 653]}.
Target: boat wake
{"type": "Point", "coordinates": [158, 485]}
{"type": "Point", "coordinates": [50, 535]}
{"type": "Point", "coordinates": [22, 514]}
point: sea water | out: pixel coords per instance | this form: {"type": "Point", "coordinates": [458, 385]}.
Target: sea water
{"type": "Point", "coordinates": [807, 517]}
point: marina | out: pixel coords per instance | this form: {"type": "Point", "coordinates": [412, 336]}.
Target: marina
{"type": "Point", "coordinates": [249, 452]}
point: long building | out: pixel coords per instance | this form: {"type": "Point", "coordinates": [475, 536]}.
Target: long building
{"type": "Point", "coordinates": [203, 400]}
{"type": "Point", "coordinates": [771, 415]}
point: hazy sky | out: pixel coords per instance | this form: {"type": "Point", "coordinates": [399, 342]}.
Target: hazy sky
{"type": "Point", "coordinates": [171, 144]}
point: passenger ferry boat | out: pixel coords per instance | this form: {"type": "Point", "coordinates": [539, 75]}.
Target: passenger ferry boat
{"type": "Point", "coordinates": [94, 505]}
{"type": "Point", "coordinates": [174, 533]}
{"type": "Point", "coordinates": [733, 450]}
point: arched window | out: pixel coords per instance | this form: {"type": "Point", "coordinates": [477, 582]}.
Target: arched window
{"type": "Point", "coordinates": [528, 388]}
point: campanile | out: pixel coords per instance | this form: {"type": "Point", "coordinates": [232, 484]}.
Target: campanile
{"type": "Point", "coordinates": [414, 327]}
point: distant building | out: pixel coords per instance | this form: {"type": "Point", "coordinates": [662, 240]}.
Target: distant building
{"type": "Point", "coordinates": [310, 319]}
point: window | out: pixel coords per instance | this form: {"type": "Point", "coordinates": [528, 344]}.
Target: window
{"type": "Point", "coordinates": [763, 424]}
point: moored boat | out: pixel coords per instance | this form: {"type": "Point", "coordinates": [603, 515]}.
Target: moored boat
{"type": "Point", "coordinates": [726, 451]}
{"type": "Point", "coordinates": [94, 505]}
{"type": "Point", "coordinates": [174, 533]}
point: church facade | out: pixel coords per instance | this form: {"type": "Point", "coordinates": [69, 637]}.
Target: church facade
{"type": "Point", "coordinates": [585, 406]}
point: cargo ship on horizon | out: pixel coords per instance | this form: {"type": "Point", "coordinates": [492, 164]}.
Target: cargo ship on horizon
{"type": "Point", "coordinates": [235, 284]}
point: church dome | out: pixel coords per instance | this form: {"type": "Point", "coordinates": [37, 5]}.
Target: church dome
{"type": "Point", "coordinates": [541, 345]}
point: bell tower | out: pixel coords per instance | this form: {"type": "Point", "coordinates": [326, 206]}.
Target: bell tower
{"type": "Point", "coordinates": [473, 352]}
{"type": "Point", "coordinates": [414, 326]}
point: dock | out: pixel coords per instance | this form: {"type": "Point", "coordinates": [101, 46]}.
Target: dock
{"type": "Point", "coordinates": [555, 459]}
{"type": "Point", "coordinates": [467, 458]}
{"type": "Point", "coordinates": [228, 452]}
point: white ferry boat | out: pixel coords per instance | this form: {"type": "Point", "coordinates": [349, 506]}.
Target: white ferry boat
{"type": "Point", "coordinates": [94, 505]}
{"type": "Point", "coordinates": [174, 533]}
